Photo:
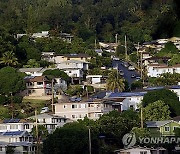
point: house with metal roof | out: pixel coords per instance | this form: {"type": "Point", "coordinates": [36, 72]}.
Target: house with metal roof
{"type": "Point", "coordinates": [19, 141]}
{"type": "Point", "coordinates": [162, 128]}
{"type": "Point", "coordinates": [155, 70]}
{"type": "Point", "coordinates": [16, 125]}
{"type": "Point", "coordinates": [32, 71]}
{"type": "Point", "coordinates": [131, 99]}
{"type": "Point", "coordinates": [50, 121]}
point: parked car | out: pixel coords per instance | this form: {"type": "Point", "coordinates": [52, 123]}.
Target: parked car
{"type": "Point", "coordinates": [44, 110]}
{"type": "Point", "coordinates": [125, 64]}
{"type": "Point", "coordinates": [133, 75]}
{"type": "Point", "coordinates": [131, 68]}
{"type": "Point", "coordinates": [121, 72]}
{"type": "Point", "coordinates": [138, 78]}
{"type": "Point", "coordinates": [75, 99]}
{"type": "Point", "coordinates": [115, 58]}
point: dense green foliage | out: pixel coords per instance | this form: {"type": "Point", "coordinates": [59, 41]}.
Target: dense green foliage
{"type": "Point", "coordinates": [106, 134]}
{"type": "Point", "coordinates": [152, 110]}
{"type": "Point", "coordinates": [167, 96]}
{"type": "Point", "coordinates": [75, 90]}
{"type": "Point", "coordinates": [165, 79]}
{"type": "Point", "coordinates": [137, 85]}
{"type": "Point", "coordinates": [11, 81]}
{"type": "Point", "coordinates": [141, 21]}
{"type": "Point", "coordinates": [57, 73]}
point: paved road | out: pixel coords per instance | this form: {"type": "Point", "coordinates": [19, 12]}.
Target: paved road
{"type": "Point", "coordinates": [127, 73]}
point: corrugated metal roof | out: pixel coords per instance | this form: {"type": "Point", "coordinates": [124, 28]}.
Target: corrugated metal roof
{"type": "Point", "coordinates": [152, 124]}
{"type": "Point", "coordinates": [126, 94]}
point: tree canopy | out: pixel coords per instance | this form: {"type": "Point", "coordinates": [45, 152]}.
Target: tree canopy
{"type": "Point", "coordinates": [57, 73]}
{"type": "Point", "coordinates": [106, 134]}
{"type": "Point", "coordinates": [167, 96]}
{"type": "Point", "coordinates": [152, 111]}
{"type": "Point", "coordinates": [11, 81]}
{"type": "Point", "coordinates": [115, 82]}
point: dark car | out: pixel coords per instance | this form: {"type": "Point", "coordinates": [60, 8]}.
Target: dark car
{"type": "Point", "coordinates": [133, 75]}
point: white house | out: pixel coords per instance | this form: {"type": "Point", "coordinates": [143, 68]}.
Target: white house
{"type": "Point", "coordinates": [155, 60]}
{"type": "Point", "coordinates": [16, 125]}
{"type": "Point", "coordinates": [93, 79]}
{"type": "Point", "coordinates": [72, 64]}
{"type": "Point", "coordinates": [32, 71]}
{"type": "Point", "coordinates": [134, 150]}
{"type": "Point", "coordinates": [43, 34]}
{"type": "Point", "coordinates": [66, 37]}
{"type": "Point", "coordinates": [79, 110]}
{"type": "Point", "coordinates": [48, 56]}
{"type": "Point", "coordinates": [20, 141]}
{"type": "Point", "coordinates": [155, 70]}
{"type": "Point", "coordinates": [128, 99]}
{"type": "Point", "coordinates": [99, 51]}
{"type": "Point", "coordinates": [141, 150]}
{"type": "Point", "coordinates": [50, 121]}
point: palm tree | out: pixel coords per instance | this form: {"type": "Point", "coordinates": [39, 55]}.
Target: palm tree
{"type": "Point", "coordinates": [9, 59]}
{"type": "Point", "coordinates": [115, 81]}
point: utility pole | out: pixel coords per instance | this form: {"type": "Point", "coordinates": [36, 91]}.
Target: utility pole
{"type": "Point", "coordinates": [141, 117]}
{"type": "Point", "coordinates": [141, 67]}
{"type": "Point", "coordinates": [95, 44]}
{"type": "Point", "coordinates": [87, 91]}
{"type": "Point", "coordinates": [12, 114]}
{"type": "Point", "coordinates": [37, 137]}
{"type": "Point", "coordinates": [117, 70]}
{"type": "Point", "coordinates": [138, 55]}
{"type": "Point", "coordinates": [116, 37]}
{"type": "Point", "coordinates": [125, 39]}
{"type": "Point", "coordinates": [89, 141]}
{"type": "Point", "coordinates": [52, 87]}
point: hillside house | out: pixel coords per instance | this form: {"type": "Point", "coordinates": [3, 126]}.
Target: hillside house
{"type": "Point", "coordinates": [37, 86]}
{"type": "Point", "coordinates": [155, 70]}
{"type": "Point", "coordinates": [162, 128]}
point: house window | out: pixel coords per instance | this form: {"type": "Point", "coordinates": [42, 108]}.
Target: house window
{"type": "Point", "coordinates": [73, 116]}
{"type": "Point", "coordinates": [166, 129]}
{"type": "Point", "coordinates": [143, 152]}
{"type": "Point", "coordinates": [13, 126]}
{"type": "Point", "coordinates": [174, 128]}
{"type": "Point", "coordinates": [65, 106]}
{"type": "Point", "coordinates": [26, 126]}
{"type": "Point", "coordinates": [69, 71]}
{"type": "Point", "coordinates": [131, 107]}
{"type": "Point", "coordinates": [68, 58]}
{"type": "Point", "coordinates": [39, 83]}
{"type": "Point", "coordinates": [52, 126]}
{"type": "Point", "coordinates": [74, 106]}
{"type": "Point", "coordinates": [44, 121]}
{"type": "Point", "coordinates": [0, 148]}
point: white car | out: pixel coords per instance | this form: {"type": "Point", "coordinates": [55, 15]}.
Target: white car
{"type": "Point", "coordinates": [44, 110]}
{"type": "Point", "coordinates": [115, 58]}
{"type": "Point", "coordinates": [131, 68]}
